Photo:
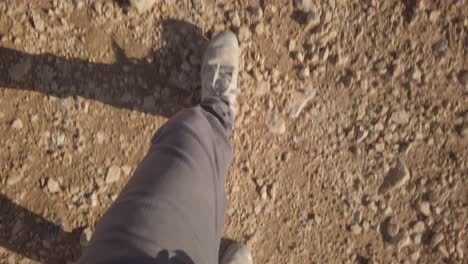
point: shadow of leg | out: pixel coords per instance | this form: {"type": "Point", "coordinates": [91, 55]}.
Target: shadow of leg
{"type": "Point", "coordinates": [34, 237]}
{"type": "Point", "coordinates": [161, 83]}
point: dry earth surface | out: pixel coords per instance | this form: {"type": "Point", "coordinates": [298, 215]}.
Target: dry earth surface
{"type": "Point", "coordinates": [351, 142]}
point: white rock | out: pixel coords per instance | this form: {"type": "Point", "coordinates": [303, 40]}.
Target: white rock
{"type": "Point", "coordinates": [142, 5]}
{"type": "Point", "coordinates": [113, 174]}
{"type": "Point", "coordinates": [17, 124]}
{"type": "Point", "coordinates": [53, 186]}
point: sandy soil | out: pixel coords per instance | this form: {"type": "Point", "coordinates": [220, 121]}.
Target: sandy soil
{"type": "Point", "coordinates": [351, 143]}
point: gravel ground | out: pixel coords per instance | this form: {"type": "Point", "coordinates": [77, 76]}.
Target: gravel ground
{"type": "Point", "coordinates": [351, 142]}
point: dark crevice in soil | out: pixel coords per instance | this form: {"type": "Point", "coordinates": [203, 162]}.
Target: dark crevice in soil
{"type": "Point", "coordinates": [408, 12]}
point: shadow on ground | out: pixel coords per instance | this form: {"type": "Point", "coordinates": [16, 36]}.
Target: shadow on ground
{"type": "Point", "coordinates": [162, 83]}
{"type": "Point", "coordinates": [35, 237]}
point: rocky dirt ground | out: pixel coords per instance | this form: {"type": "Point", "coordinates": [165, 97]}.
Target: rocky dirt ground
{"type": "Point", "coordinates": [351, 143]}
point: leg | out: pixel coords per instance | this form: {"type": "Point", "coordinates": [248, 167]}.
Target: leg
{"type": "Point", "coordinates": [175, 202]}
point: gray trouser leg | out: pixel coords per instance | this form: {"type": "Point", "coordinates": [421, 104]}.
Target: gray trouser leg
{"type": "Point", "coordinates": [172, 209]}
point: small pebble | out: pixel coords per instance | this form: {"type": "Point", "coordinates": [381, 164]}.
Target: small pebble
{"type": "Point", "coordinates": [113, 174]}
{"type": "Point", "coordinates": [300, 101]}
{"type": "Point", "coordinates": [17, 124]}
{"type": "Point", "coordinates": [291, 45]}
{"type": "Point", "coordinates": [419, 227]}
{"type": "Point", "coordinates": [356, 229]}
{"type": "Point", "coordinates": [424, 208]}
{"type": "Point", "coordinates": [53, 186]}
{"type": "Point", "coordinates": [304, 73]}
{"type": "Point", "coordinates": [259, 28]}
{"type": "Point", "coordinates": [400, 117]}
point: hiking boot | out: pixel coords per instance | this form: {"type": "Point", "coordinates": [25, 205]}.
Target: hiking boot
{"type": "Point", "coordinates": [220, 69]}
{"type": "Point", "coordinates": [237, 254]}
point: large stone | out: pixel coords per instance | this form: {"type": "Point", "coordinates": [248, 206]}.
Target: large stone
{"type": "Point", "coordinates": [419, 227]}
